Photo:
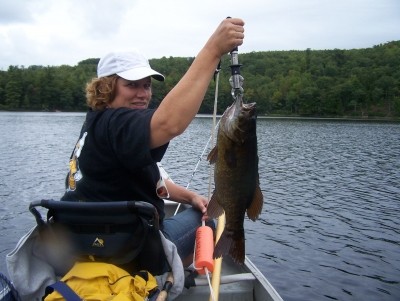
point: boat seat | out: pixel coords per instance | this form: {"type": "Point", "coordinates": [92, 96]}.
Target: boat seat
{"type": "Point", "coordinates": [124, 233]}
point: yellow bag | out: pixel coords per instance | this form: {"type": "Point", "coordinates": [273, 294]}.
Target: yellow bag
{"type": "Point", "coordinates": [96, 281]}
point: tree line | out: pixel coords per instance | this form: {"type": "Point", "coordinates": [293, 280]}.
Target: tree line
{"type": "Point", "coordinates": [324, 83]}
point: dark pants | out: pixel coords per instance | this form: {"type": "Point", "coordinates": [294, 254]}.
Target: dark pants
{"type": "Point", "coordinates": [181, 230]}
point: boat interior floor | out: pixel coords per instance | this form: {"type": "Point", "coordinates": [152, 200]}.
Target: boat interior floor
{"type": "Point", "coordinates": [236, 290]}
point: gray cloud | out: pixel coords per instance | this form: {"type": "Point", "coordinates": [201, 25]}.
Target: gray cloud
{"type": "Point", "coordinates": [14, 12]}
{"type": "Point", "coordinates": [47, 32]}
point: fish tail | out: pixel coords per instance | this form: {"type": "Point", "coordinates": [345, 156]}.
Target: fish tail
{"type": "Point", "coordinates": [231, 243]}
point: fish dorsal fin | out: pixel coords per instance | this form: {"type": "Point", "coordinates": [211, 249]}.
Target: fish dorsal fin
{"type": "Point", "coordinates": [214, 209]}
{"type": "Point", "coordinates": [256, 205]}
{"type": "Point", "coordinates": [212, 156]}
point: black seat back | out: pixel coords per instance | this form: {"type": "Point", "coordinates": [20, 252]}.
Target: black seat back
{"type": "Point", "coordinates": [123, 233]}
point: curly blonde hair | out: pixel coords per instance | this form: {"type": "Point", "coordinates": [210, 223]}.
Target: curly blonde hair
{"type": "Point", "coordinates": [100, 92]}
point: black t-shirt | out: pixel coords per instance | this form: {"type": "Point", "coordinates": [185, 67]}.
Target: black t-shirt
{"type": "Point", "coordinates": [112, 160]}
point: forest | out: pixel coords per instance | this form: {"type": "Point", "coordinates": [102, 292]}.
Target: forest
{"type": "Point", "coordinates": [362, 83]}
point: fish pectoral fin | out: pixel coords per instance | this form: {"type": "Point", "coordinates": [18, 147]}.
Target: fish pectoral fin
{"type": "Point", "coordinates": [214, 209]}
{"type": "Point", "coordinates": [213, 155]}
{"type": "Point", "coordinates": [254, 210]}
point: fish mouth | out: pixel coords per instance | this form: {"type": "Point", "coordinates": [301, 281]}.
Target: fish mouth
{"type": "Point", "coordinates": [240, 108]}
{"type": "Point", "coordinates": [245, 111]}
{"type": "Point", "coordinates": [250, 109]}
{"type": "Point", "coordinates": [239, 120]}
{"type": "Point", "coordinates": [249, 106]}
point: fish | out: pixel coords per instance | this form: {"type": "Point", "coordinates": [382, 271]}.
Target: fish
{"type": "Point", "coordinates": [236, 178]}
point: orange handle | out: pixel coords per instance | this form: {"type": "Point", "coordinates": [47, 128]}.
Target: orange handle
{"type": "Point", "coordinates": [204, 250]}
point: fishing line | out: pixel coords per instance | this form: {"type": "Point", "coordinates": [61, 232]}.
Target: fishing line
{"type": "Point", "coordinates": [201, 156]}
{"type": "Point", "coordinates": [214, 126]}
{"type": "Point", "coordinates": [210, 139]}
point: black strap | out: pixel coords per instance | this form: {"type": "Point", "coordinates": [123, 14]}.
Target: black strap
{"type": "Point", "coordinates": [64, 290]}
{"type": "Point", "coordinates": [189, 278]}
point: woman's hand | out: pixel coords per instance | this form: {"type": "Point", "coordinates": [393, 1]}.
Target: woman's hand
{"type": "Point", "coordinates": [182, 195]}
{"type": "Point", "coordinates": [199, 202]}
{"type": "Point", "coordinates": [228, 35]}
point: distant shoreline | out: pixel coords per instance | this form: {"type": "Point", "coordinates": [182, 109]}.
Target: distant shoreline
{"type": "Point", "coordinates": [343, 118]}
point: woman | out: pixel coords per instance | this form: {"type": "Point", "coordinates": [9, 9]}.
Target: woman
{"type": "Point", "coordinates": [122, 140]}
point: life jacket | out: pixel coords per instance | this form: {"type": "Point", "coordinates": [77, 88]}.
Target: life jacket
{"type": "Point", "coordinates": [96, 281]}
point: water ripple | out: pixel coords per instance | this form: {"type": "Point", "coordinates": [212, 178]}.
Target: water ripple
{"type": "Point", "coordinates": [329, 226]}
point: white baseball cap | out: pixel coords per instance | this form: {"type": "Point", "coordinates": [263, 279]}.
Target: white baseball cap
{"type": "Point", "coordinates": [130, 65]}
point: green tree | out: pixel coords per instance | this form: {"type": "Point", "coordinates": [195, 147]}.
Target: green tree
{"type": "Point", "coordinates": [357, 82]}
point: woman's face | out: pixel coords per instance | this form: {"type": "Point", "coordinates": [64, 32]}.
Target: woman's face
{"type": "Point", "coordinates": [132, 94]}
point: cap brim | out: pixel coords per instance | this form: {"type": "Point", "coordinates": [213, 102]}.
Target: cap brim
{"type": "Point", "coordinates": [141, 72]}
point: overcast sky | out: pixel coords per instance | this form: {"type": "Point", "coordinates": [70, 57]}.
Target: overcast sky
{"type": "Point", "coordinates": [57, 32]}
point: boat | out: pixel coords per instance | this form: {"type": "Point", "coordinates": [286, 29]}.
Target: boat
{"type": "Point", "coordinates": [236, 282]}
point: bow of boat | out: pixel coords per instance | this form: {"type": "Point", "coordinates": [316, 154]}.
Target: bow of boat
{"type": "Point", "coordinates": [238, 282]}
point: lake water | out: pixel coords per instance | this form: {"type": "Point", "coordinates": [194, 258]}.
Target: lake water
{"type": "Point", "coordinates": [329, 229]}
